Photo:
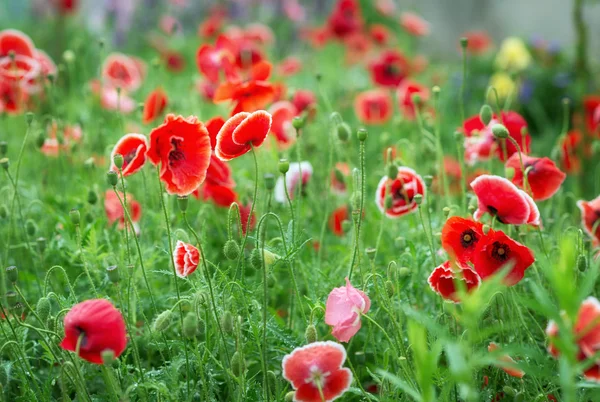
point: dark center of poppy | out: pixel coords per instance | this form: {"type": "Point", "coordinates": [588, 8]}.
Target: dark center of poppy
{"type": "Point", "coordinates": [468, 238]}
{"type": "Point", "coordinates": [128, 157]}
{"type": "Point", "coordinates": [81, 332]}
{"type": "Point", "coordinates": [500, 251]}
{"type": "Point", "coordinates": [176, 155]}
{"type": "Point", "coordinates": [494, 212]}
{"type": "Point", "coordinates": [391, 70]}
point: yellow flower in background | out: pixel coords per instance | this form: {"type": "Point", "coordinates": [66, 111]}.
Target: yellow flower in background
{"type": "Point", "coordinates": [513, 55]}
{"type": "Point", "coordinates": [504, 84]}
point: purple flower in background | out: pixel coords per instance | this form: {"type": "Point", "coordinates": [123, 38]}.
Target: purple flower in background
{"type": "Point", "coordinates": [526, 91]}
{"type": "Point", "coordinates": [562, 79]}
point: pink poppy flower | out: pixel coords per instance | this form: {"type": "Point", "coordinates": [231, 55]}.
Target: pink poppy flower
{"type": "Point", "coordinates": [339, 175]}
{"type": "Point", "coordinates": [316, 373]}
{"type": "Point", "coordinates": [121, 71]}
{"type": "Point", "coordinates": [114, 210]}
{"type": "Point", "coordinates": [186, 257]}
{"type": "Point", "coordinates": [343, 309]}
{"type": "Point", "coordinates": [283, 112]}
{"type": "Point", "coordinates": [500, 198]}
{"type": "Point", "coordinates": [133, 148]}
{"type": "Point", "coordinates": [414, 24]}
{"type": "Point", "coordinates": [443, 280]}
{"type": "Point", "coordinates": [298, 174]}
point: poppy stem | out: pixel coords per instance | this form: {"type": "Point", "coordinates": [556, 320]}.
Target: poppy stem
{"type": "Point", "coordinates": [463, 84]}
{"type": "Point", "coordinates": [124, 205]}
{"type": "Point", "coordinates": [358, 224]}
{"type": "Point", "coordinates": [427, 235]}
{"type": "Point", "coordinates": [463, 174]}
{"type": "Point", "coordinates": [85, 266]}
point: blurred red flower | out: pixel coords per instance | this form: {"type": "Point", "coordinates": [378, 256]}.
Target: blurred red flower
{"type": "Point", "coordinates": [389, 69]}
{"type": "Point", "coordinates": [373, 106]}
{"type": "Point", "coordinates": [443, 280]}
{"type": "Point", "coordinates": [155, 105]}
{"type": "Point", "coordinates": [133, 148]}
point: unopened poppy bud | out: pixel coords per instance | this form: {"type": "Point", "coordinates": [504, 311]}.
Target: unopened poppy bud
{"type": "Point", "coordinates": [361, 134]}
{"type": "Point", "coordinates": [582, 263]}
{"type": "Point", "coordinates": [464, 42]}
{"type": "Point", "coordinates": [30, 228]}
{"type": "Point", "coordinates": [255, 259]}
{"type": "Point", "coordinates": [298, 122]}
{"type": "Point", "coordinates": [3, 148]}
{"type": "Point", "coordinates": [12, 298]}
{"type": "Point", "coordinates": [41, 244]}
{"type": "Point", "coordinates": [12, 274]}
{"type": "Point", "coordinates": [310, 334]}
{"type": "Point", "coordinates": [111, 178]}
{"type": "Point", "coordinates": [269, 181]}
{"type": "Point", "coordinates": [500, 131]}
{"type": "Point", "coordinates": [418, 199]}
{"type": "Point", "coordinates": [346, 225]}
{"type": "Point", "coordinates": [75, 216]}
{"type": "Point", "coordinates": [446, 211]}
{"type": "Point", "coordinates": [118, 161]}
{"type": "Point", "coordinates": [5, 163]}
{"type": "Point", "coordinates": [113, 273]}
{"type": "Point", "coordinates": [92, 197]}
{"type": "Point", "coordinates": [227, 321]}
{"type": "Point", "coordinates": [436, 91]}
{"type": "Point", "coordinates": [389, 288]}
{"type": "Point", "coordinates": [356, 200]}
{"type": "Point", "coordinates": [182, 203]}
{"type": "Point", "coordinates": [403, 272]}
{"type": "Point", "coordinates": [471, 208]}
{"type": "Point", "coordinates": [162, 321]}
{"type": "Point", "coordinates": [231, 250]}
{"type": "Point", "coordinates": [89, 163]}
{"type": "Point", "coordinates": [68, 56]}
{"type": "Point", "coordinates": [289, 397]}
{"type": "Point", "coordinates": [51, 323]}
{"type": "Point", "coordinates": [29, 117]}
{"type": "Point", "coordinates": [485, 114]}
{"type": "Point", "coordinates": [371, 252]}
{"type": "Point", "coordinates": [343, 131]}
{"type": "Point", "coordinates": [400, 242]}
{"type": "Point", "coordinates": [201, 299]}
{"type": "Point", "coordinates": [3, 212]}
{"type": "Point", "coordinates": [392, 171]}
{"type": "Point", "coordinates": [428, 179]}
{"type": "Point", "coordinates": [272, 380]}
{"type": "Point", "coordinates": [509, 391]}
{"type": "Point", "coordinates": [416, 98]}
{"type": "Point", "coordinates": [108, 357]}
{"type": "Point", "coordinates": [270, 257]}
{"type": "Point", "coordinates": [486, 229]}
{"type": "Point", "coordinates": [459, 137]}
{"type": "Point", "coordinates": [283, 166]}
{"type": "Point", "coordinates": [40, 139]}
{"type": "Point", "coordinates": [237, 364]}
{"type": "Point", "coordinates": [190, 325]}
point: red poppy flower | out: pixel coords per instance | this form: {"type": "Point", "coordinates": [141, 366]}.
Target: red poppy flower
{"type": "Point", "coordinates": [500, 198]}
{"type": "Point", "coordinates": [390, 69]}
{"type": "Point", "coordinates": [387, 8]}
{"type": "Point", "coordinates": [338, 216]}
{"type": "Point", "coordinates": [590, 217]}
{"type": "Point", "coordinates": [304, 99]}
{"type": "Point", "coordinates": [133, 149]}
{"type": "Point", "coordinates": [186, 258]}
{"type": "Point", "coordinates": [155, 105]}
{"type": "Point", "coordinates": [380, 34]}
{"type": "Point", "coordinates": [299, 174]}
{"type": "Point", "coordinates": [210, 27]}
{"type": "Point", "coordinates": [570, 159]}
{"type": "Point", "coordinates": [591, 106]}
{"type": "Point", "coordinates": [12, 98]}
{"type": "Point", "coordinates": [460, 237]}
{"type": "Point", "coordinates": [315, 370]}
{"type": "Point", "coordinates": [496, 251]}
{"type": "Point", "coordinates": [405, 92]}
{"type": "Point", "coordinates": [587, 336]}
{"type": "Point", "coordinates": [534, 217]}
{"type": "Point", "coordinates": [514, 372]}
{"type": "Point", "coordinates": [121, 71]}
{"type": "Point", "coordinates": [443, 280]}
{"type": "Point", "coordinates": [403, 189]}
{"type": "Point", "coordinates": [182, 147]}
{"type": "Point", "coordinates": [48, 67]}
{"type": "Point", "coordinates": [414, 24]}
{"type": "Point", "coordinates": [206, 89]}
{"type": "Point", "coordinates": [289, 66]}
{"type": "Point", "coordinates": [478, 42]}
{"type": "Point", "coordinates": [99, 325]}
{"type": "Point", "coordinates": [12, 40]}
{"type": "Point", "coordinates": [373, 106]}
{"type": "Point", "coordinates": [242, 132]}
{"type": "Point", "coordinates": [114, 210]}
{"type": "Point", "coordinates": [338, 177]}
{"type": "Point", "coordinates": [66, 6]}
{"type": "Point", "coordinates": [22, 72]}
{"type": "Point", "coordinates": [345, 18]}
{"type": "Point", "coordinates": [223, 196]}
{"type": "Point", "coordinates": [357, 46]}
{"type": "Point", "coordinates": [283, 112]}
{"type": "Point", "coordinates": [543, 177]}
{"type": "Point", "coordinates": [212, 60]}
{"type": "Point", "coordinates": [214, 126]}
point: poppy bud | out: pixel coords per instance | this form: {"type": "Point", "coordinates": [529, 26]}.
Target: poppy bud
{"type": "Point", "coordinates": [446, 211]}
{"type": "Point", "coordinates": [30, 228]}
{"type": "Point", "coordinates": [41, 243]}
{"type": "Point", "coordinates": [3, 212]}
{"type": "Point", "coordinates": [51, 323]}
{"type": "Point", "coordinates": [201, 299]}
{"type": "Point", "coordinates": [111, 178]}
{"type": "Point", "coordinates": [485, 114]}
{"type": "Point", "coordinates": [269, 181]}
{"type": "Point", "coordinates": [289, 397]}
{"type": "Point", "coordinates": [75, 216]}
{"type": "Point", "coordinates": [459, 137]}
{"type": "Point", "coordinates": [403, 272]}
{"type": "Point", "coordinates": [89, 163]}
{"type": "Point", "coordinates": [227, 321]}
{"type": "Point", "coordinates": [471, 208]}
{"type": "Point", "coordinates": [356, 200]}
{"type": "Point", "coordinates": [68, 56]}
{"type": "Point", "coordinates": [182, 202]}
{"type": "Point", "coordinates": [428, 180]}
{"type": "Point", "coordinates": [361, 134]}
{"type": "Point", "coordinates": [343, 131]}
{"type": "Point", "coordinates": [270, 257]}
{"type": "Point", "coordinates": [582, 263]}
{"type": "Point", "coordinates": [371, 252]}
{"type": "Point", "coordinates": [113, 273]}
{"type": "Point", "coordinates": [310, 334]}
{"type": "Point", "coordinates": [500, 131]}
{"type": "Point", "coordinates": [237, 364]}
{"type": "Point", "coordinates": [29, 117]}
{"type": "Point", "coordinates": [255, 259]}
{"type": "Point", "coordinates": [92, 197]}
{"type": "Point", "coordinates": [43, 308]}
{"type": "Point", "coordinates": [509, 391]}
{"type": "Point", "coordinates": [108, 357]}
{"type": "Point", "coordinates": [400, 242]}
{"type": "Point", "coordinates": [231, 250]}
{"type": "Point", "coordinates": [464, 42]}
{"type": "Point", "coordinates": [416, 98]}
{"type": "Point", "coordinates": [283, 166]}
{"type": "Point", "coordinates": [298, 122]}
{"type": "Point", "coordinates": [389, 288]}
{"type": "Point", "coordinates": [5, 163]}
{"type": "Point", "coordinates": [40, 139]}
{"type": "Point", "coordinates": [418, 199]}
{"type": "Point", "coordinates": [3, 148]}
{"type": "Point", "coordinates": [118, 161]}
{"type": "Point", "coordinates": [436, 91]}
{"type": "Point", "coordinates": [190, 325]}
{"type": "Point", "coordinates": [12, 298]}
{"type": "Point", "coordinates": [392, 171]}
{"type": "Point", "coordinates": [12, 274]}
{"type": "Point", "coordinates": [162, 322]}
{"type": "Point", "coordinates": [485, 229]}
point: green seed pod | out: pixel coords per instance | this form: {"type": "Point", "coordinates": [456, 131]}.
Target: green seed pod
{"type": "Point", "coordinates": [108, 357]}
{"type": "Point", "coordinates": [289, 397]}
{"type": "Point", "coordinates": [163, 321]}
{"type": "Point", "coordinates": [255, 259]}
{"type": "Point", "coordinates": [113, 273]}
{"type": "Point", "coordinates": [5, 163]}
{"type": "Point", "coordinates": [403, 272]}
{"type": "Point", "coordinates": [464, 42]}
{"type": "Point", "coordinates": [500, 131]}
{"type": "Point", "coordinates": [3, 212]}
{"type": "Point", "coordinates": [41, 243]}
{"type": "Point", "coordinates": [371, 252]}
{"type": "Point", "coordinates": [446, 211]}
{"type": "Point", "coordinates": [298, 122]}
{"type": "Point", "coordinates": [43, 308]}
{"type": "Point", "coordinates": [118, 161]}
{"type": "Point", "coordinates": [361, 134]}
{"type": "Point", "coordinates": [346, 225]}
{"type": "Point", "coordinates": [388, 202]}
{"type": "Point", "coordinates": [428, 180]}
{"type": "Point", "coordinates": [418, 199]}
{"type": "Point", "coordinates": [190, 325]}
{"type": "Point", "coordinates": [485, 114]}
{"type": "Point", "coordinates": [92, 198]}
{"type": "Point", "coordinates": [582, 263]}
{"type": "Point", "coordinates": [283, 166]}
{"type": "Point", "coordinates": [389, 288]}
{"type": "Point", "coordinates": [30, 227]}
{"type": "Point", "coordinates": [3, 148]}
{"type": "Point", "coordinates": [182, 203]}
{"type": "Point", "coordinates": [485, 229]}
{"type": "Point", "coordinates": [237, 364]}
{"type": "Point", "coordinates": [343, 131]}
{"type": "Point", "coordinates": [12, 274]}
{"type": "Point", "coordinates": [112, 178]}
{"type": "Point", "coordinates": [68, 56]}
{"type": "Point", "coordinates": [269, 181]}
{"type": "Point", "coordinates": [227, 321]}
{"type": "Point", "coordinates": [231, 250]}
{"type": "Point", "coordinates": [75, 216]}
{"type": "Point", "coordinates": [12, 298]}
{"type": "Point", "coordinates": [310, 334]}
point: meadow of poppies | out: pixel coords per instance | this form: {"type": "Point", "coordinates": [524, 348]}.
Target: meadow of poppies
{"type": "Point", "coordinates": [285, 205]}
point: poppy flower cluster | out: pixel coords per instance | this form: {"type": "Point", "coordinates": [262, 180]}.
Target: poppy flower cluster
{"type": "Point", "coordinates": [402, 190]}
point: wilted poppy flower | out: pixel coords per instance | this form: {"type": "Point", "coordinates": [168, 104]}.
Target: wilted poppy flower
{"type": "Point", "coordinates": [443, 280]}
{"type": "Point", "coordinates": [182, 147]}
{"type": "Point", "coordinates": [316, 373]}
{"type": "Point", "coordinates": [496, 251]}
{"type": "Point", "coordinates": [114, 210]}
{"type": "Point", "coordinates": [283, 112]}
{"type": "Point", "coordinates": [186, 258]}
{"type": "Point", "coordinates": [373, 106]}
{"type": "Point", "coordinates": [590, 217]}
{"type": "Point", "coordinates": [414, 24]}
{"type": "Point", "coordinates": [121, 71]}
{"type": "Point", "coordinates": [402, 189]}
{"type": "Point", "coordinates": [343, 309]}
{"type": "Point", "coordinates": [99, 325]}
{"type": "Point", "coordinates": [345, 18]}
{"type": "Point", "coordinates": [587, 336]}
{"type": "Point", "coordinates": [15, 41]}
{"type": "Point", "coordinates": [155, 105]}
{"type": "Point", "coordinates": [390, 69]}
{"type": "Point", "coordinates": [405, 93]}
{"type": "Point", "coordinates": [241, 133]}
{"type": "Point", "coordinates": [478, 42]}
{"type": "Point", "coordinates": [133, 149]}
{"type": "Point", "coordinates": [299, 174]}
{"type": "Point", "coordinates": [338, 216]}
{"type": "Point", "coordinates": [543, 177]}
{"type": "Point", "coordinates": [338, 177]}
{"type": "Point", "coordinates": [500, 198]}
{"type": "Point", "coordinates": [514, 372]}
{"type": "Point", "coordinates": [460, 237]}
{"type": "Point", "coordinates": [304, 99]}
